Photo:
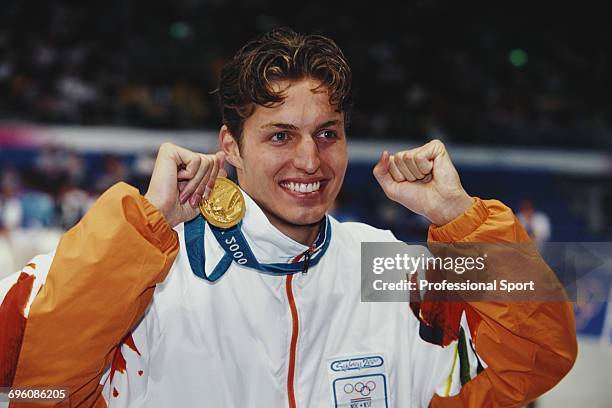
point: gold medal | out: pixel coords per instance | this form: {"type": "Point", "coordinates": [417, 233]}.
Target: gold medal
{"type": "Point", "coordinates": [225, 205]}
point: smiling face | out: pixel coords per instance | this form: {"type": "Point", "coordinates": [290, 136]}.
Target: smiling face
{"type": "Point", "coordinates": [293, 156]}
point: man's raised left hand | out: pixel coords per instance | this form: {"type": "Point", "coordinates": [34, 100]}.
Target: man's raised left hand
{"type": "Point", "coordinates": [425, 181]}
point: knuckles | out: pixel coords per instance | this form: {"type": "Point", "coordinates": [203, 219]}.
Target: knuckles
{"type": "Point", "coordinates": [167, 146]}
{"type": "Point", "coordinates": [437, 143]}
{"type": "Point", "coordinates": [208, 159]}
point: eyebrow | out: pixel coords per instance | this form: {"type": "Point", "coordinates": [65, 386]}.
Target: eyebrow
{"type": "Point", "coordinates": [279, 126]}
{"type": "Point", "coordinates": [289, 126]}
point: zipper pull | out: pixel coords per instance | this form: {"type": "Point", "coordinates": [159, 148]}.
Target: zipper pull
{"type": "Point", "coordinates": [307, 256]}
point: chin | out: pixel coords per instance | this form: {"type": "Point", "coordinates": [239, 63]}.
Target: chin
{"type": "Point", "coordinates": [304, 218]}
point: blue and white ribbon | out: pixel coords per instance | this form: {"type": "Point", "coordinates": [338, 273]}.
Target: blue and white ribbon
{"type": "Point", "coordinates": [237, 250]}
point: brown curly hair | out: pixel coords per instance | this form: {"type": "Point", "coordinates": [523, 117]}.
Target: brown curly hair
{"type": "Point", "coordinates": [281, 54]}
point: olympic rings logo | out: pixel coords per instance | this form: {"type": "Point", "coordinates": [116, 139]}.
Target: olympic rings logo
{"type": "Point", "coordinates": [364, 389]}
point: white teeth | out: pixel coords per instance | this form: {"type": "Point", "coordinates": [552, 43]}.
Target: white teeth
{"type": "Point", "coordinates": [302, 187]}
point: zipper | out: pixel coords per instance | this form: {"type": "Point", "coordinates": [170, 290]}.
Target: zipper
{"type": "Point", "coordinates": [293, 346]}
{"type": "Point", "coordinates": [295, 323]}
{"type": "Point", "coordinates": [307, 256]}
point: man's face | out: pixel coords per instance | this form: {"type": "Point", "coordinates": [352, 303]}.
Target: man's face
{"type": "Point", "coordinates": [294, 155]}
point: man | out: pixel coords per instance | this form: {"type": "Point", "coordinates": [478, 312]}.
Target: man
{"type": "Point", "coordinates": [145, 304]}
{"type": "Point", "coordinates": [536, 223]}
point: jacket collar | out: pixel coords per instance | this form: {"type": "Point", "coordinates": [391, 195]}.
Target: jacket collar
{"type": "Point", "coordinates": [267, 244]}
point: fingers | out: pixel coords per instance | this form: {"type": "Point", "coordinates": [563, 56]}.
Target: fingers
{"type": "Point", "coordinates": [394, 171]}
{"type": "Point", "coordinates": [382, 173]}
{"type": "Point", "coordinates": [198, 171]}
{"type": "Point", "coordinates": [423, 162]}
{"type": "Point", "coordinates": [381, 170]}
{"type": "Point", "coordinates": [199, 193]}
{"type": "Point", "coordinates": [188, 162]}
{"type": "Point", "coordinates": [213, 168]}
{"type": "Point", "coordinates": [222, 172]}
{"type": "Point", "coordinates": [416, 164]}
{"type": "Point", "coordinates": [218, 170]}
{"type": "Point", "coordinates": [209, 183]}
{"type": "Point", "coordinates": [409, 163]}
{"type": "Point", "coordinates": [182, 176]}
{"type": "Point", "coordinates": [188, 171]}
{"type": "Point", "coordinates": [400, 170]}
{"type": "Point", "coordinates": [196, 176]}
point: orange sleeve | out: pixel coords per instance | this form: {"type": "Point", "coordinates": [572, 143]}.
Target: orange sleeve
{"type": "Point", "coordinates": [528, 346]}
{"type": "Point", "coordinates": [100, 282]}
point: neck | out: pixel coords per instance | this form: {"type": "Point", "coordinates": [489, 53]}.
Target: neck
{"type": "Point", "coordinates": [304, 234]}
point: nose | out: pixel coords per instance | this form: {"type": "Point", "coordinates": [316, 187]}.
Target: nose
{"type": "Point", "coordinates": [307, 155]}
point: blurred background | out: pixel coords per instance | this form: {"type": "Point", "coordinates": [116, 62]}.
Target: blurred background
{"type": "Point", "coordinates": [519, 93]}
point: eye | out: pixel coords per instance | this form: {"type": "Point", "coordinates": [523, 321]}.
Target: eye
{"type": "Point", "coordinates": [328, 134]}
{"type": "Point", "coordinates": [279, 137]}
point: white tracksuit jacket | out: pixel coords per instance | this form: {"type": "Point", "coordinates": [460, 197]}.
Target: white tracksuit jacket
{"type": "Point", "coordinates": [118, 304]}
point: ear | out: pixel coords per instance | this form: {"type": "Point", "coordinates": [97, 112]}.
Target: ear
{"type": "Point", "coordinates": [230, 147]}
